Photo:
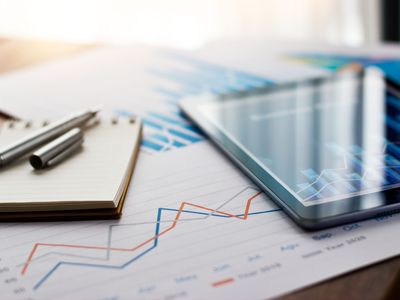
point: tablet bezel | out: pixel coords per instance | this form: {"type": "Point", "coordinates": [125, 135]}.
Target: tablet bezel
{"type": "Point", "coordinates": [313, 217]}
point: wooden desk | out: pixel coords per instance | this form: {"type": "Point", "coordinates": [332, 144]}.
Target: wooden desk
{"type": "Point", "coordinates": [380, 281]}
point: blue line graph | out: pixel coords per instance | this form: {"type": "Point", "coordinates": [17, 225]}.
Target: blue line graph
{"type": "Point", "coordinates": [152, 247]}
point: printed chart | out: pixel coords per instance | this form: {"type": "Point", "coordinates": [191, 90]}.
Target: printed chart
{"type": "Point", "coordinates": [181, 217]}
{"type": "Point", "coordinates": [192, 228]}
{"type": "Point", "coordinates": [169, 129]}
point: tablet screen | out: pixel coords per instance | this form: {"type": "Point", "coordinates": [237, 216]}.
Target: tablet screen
{"type": "Point", "coordinates": [323, 140]}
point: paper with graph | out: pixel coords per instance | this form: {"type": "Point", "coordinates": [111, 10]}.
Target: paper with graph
{"type": "Point", "coordinates": [191, 230]}
{"type": "Point", "coordinates": [193, 226]}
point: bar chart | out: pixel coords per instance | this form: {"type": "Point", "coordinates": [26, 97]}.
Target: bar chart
{"type": "Point", "coordinates": [168, 128]}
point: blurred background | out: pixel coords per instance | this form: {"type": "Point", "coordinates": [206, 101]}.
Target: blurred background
{"type": "Point", "coordinates": [189, 24]}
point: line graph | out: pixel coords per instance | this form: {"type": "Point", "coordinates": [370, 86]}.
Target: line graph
{"type": "Point", "coordinates": [111, 227]}
{"type": "Point", "coordinates": [197, 225]}
{"type": "Point", "coordinates": [361, 173]}
{"type": "Point", "coordinates": [315, 181]}
{"type": "Point", "coordinates": [154, 239]}
{"type": "Point", "coordinates": [197, 248]}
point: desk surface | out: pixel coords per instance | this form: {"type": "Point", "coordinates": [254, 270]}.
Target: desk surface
{"type": "Point", "coordinates": [379, 281]}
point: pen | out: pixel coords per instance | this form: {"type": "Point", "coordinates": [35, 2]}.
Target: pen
{"type": "Point", "coordinates": [57, 150]}
{"type": "Point", "coordinates": [44, 135]}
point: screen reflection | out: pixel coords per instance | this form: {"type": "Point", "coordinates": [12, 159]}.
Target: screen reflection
{"type": "Point", "coordinates": [324, 140]}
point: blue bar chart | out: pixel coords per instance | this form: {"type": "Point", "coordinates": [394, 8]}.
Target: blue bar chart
{"type": "Point", "coordinates": [168, 128]}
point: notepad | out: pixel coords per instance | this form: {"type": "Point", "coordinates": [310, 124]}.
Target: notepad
{"type": "Point", "coordinates": [90, 184]}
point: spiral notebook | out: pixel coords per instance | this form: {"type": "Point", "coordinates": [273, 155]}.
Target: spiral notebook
{"type": "Point", "coordinates": [90, 184]}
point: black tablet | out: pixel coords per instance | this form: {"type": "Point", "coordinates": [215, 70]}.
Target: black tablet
{"type": "Point", "coordinates": [327, 150]}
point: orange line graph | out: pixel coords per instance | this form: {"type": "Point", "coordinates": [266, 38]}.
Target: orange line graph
{"type": "Point", "coordinates": [174, 222]}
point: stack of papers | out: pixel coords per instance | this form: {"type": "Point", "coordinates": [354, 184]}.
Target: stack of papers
{"type": "Point", "coordinates": [187, 204]}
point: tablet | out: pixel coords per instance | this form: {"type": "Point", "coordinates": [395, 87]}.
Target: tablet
{"type": "Point", "coordinates": [327, 150]}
